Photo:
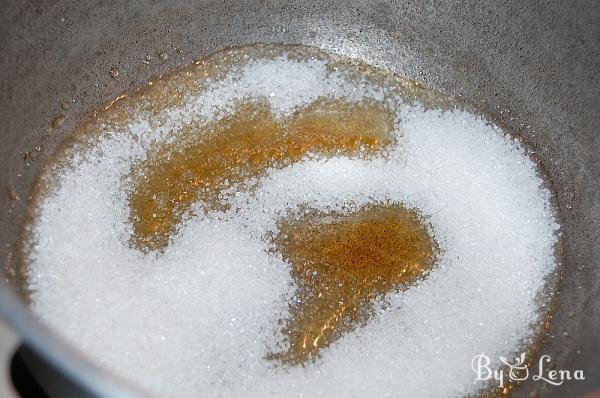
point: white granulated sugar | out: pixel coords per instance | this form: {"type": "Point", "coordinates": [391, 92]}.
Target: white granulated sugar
{"type": "Point", "coordinates": [285, 84]}
{"type": "Point", "coordinates": [199, 318]}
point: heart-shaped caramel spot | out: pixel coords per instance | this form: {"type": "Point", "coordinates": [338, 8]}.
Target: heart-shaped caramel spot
{"type": "Point", "coordinates": [341, 264]}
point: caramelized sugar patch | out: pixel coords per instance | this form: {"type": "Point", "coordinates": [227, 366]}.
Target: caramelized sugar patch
{"type": "Point", "coordinates": [198, 164]}
{"type": "Point", "coordinates": [341, 264]}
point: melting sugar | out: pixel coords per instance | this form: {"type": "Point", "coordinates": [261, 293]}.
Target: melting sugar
{"type": "Point", "coordinates": [279, 221]}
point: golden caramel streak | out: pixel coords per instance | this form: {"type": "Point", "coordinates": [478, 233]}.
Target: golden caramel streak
{"type": "Point", "coordinates": [202, 159]}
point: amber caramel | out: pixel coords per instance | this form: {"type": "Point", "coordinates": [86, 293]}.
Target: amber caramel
{"type": "Point", "coordinates": [197, 164]}
{"type": "Point", "coordinates": [341, 264]}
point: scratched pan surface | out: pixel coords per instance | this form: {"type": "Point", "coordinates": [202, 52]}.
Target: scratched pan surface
{"type": "Point", "coordinates": [535, 66]}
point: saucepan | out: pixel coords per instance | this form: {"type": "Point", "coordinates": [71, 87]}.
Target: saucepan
{"type": "Point", "coordinates": [533, 65]}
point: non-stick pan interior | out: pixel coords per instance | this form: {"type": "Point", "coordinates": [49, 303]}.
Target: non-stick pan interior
{"type": "Point", "coordinates": [534, 66]}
